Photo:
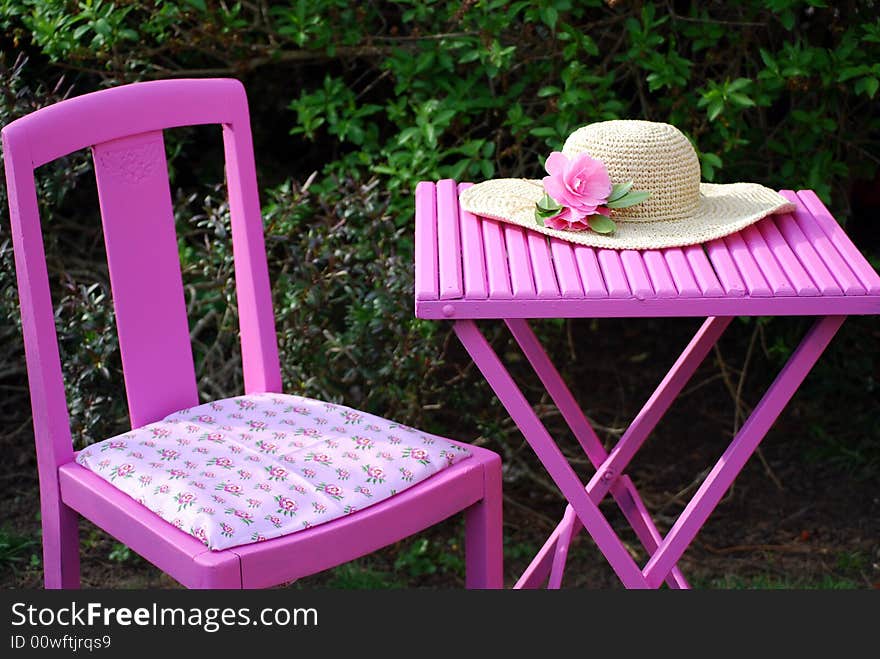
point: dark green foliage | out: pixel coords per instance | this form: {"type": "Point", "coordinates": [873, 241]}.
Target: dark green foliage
{"type": "Point", "coordinates": [342, 297]}
{"type": "Point", "coordinates": [15, 550]}
{"type": "Point", "coordinates": [374, 97]}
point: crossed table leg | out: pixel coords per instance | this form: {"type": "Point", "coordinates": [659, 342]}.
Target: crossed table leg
{"type": "Point", "coordinates": [583, 511]}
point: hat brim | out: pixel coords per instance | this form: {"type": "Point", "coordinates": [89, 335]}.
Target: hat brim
{"type": "Point", "coordinates": [723, 209]}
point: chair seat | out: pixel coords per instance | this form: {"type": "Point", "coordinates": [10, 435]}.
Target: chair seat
{"type": "Point", "coordinates": [250, 468]}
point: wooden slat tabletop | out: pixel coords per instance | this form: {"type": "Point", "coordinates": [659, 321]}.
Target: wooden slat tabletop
{"type": "Point", "coordinates": [800, 263]}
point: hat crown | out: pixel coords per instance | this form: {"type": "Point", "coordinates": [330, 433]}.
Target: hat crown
{"type": "Point", "coordinates": [656, 157]}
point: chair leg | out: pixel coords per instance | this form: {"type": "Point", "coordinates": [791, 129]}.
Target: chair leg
{"type": "Point", "coordinates": [217, 570]}
{"type": "Point", "coordinates": [483, 533]}
{"type": "Point", "coordinates": [60, 545]}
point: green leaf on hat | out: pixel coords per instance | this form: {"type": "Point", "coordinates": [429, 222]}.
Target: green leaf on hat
{"type": "Point", "coordinates": [629, 199]}
{"type": "Point", "coordinates": [601, 224]}
{"type": "Point", "coordinates": [546, 207]}
{"type": "Point", "coordinates": [541, 215]}
{"type": "Point", "coordinates": [545, 214]}
{"type": "Point", "coordinates": [548, 204]}
{"type": "Point", "coordinates": [618, 190]}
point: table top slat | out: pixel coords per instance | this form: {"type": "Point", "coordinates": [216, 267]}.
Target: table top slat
{"type": "Point", "coordinates": [636, 274]}
{"type": "Point", "coordinates": [659, 274]}
{"type": "Point", "coordinates": [542, 265]}
{"type": "Point", "coordinates": [725, 268]}
{"type": "Point", "coordinates": [770, 268]}
{"type": "Point", "coordinates": [472, 253]}
{"type": "Point", "coordinates": [685, 282]}
{"type": "Point", "coordinates": [497, 274]}
{"type": "Point", "coordinates": [519, 261]}
{"type": "Point", "coordinates": [854, 258]}
{"type": "Point", "coordinates": [591, 274]}
{"type": "Point", "coordinates": [807, 255]}
{"type": "Point", "coordinates": [702, 268]}
{"type": "Point", "coordinates": [613, 273]}
{"type": "Point", "coordinates": [751, 240]}
{"type": "Point", "coordinates": [786, 258]}
{"type": "Point", "coordinates": [566, 268]}
{"type": "Point", "coordinates": [823, 246]}
{"type": "Point", "coordinates": [449, 240]}
{"type": "Point", "coordinates": [748, 269]}
{"type": "Point", "coordinates": [427, 282]}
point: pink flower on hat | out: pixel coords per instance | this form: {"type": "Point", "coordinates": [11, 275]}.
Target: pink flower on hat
{"type": "Point", "coordinates": [581, 185]}
{"type": "Point", "coordinates": [579, 195]}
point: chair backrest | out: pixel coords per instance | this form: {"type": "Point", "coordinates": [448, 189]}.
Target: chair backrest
{"type": "Point", "coordinates": [123, 126]}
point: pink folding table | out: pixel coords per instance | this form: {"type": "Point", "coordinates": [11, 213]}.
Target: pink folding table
{"type": "Point", "coordinates": [470, 268]}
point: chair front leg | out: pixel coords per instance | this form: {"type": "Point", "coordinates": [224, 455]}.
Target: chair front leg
{"type": "Point", "coordinates": [60, 543]}
{"type": "Point", "coordinates": [483, 541]}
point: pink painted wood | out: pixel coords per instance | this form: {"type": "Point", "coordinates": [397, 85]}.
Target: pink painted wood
{"type": "Point", "coordinates": [702, 269]}
{"type": "Point", "coordinates": [449, 240]}
{"type": "Point", "coordinates": [497, 273]}
{"type": "Point", "coordinates": [474, 259]}
{"type": "Point", "coordinates": [658, 274]}
{"type": "Point", "coordinates": [624, 493]}
{"type": "Point", "coordinates": [613, 272]}
{"type": "Point", "coordinates": [124, 128]}
{"type": "Point", "coordinates": [136, 213]}
{"type": "Point", "coordinates": [680, 270]}
{"type": "Point", "coordinates": [566, 268]}
{"type": "Point", "coordinates": [427, 286]}
{"type": "Point", "coordinates": [854, 259]}
{"type": "Point", "coordinates": [793, 264]}
{"type": "Point", "coordinates": [521, 276]}
{"type": "Point", "coordinates": [591, 274]}
{"type": "Point", "coordinates": [836, 262]}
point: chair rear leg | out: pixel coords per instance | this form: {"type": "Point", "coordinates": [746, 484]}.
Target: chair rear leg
{"type": "Point", "coordinates": [483, 533]}
{"type": "Point", "coordinates": [60, 545]}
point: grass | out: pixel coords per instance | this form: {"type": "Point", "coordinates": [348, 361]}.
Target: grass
{"type": "Point", "coordinates": [437, 560]}
{"type": "Point", "coordinates": [17, 551]}
{"type": "Point", "coordinates": [360, 575]}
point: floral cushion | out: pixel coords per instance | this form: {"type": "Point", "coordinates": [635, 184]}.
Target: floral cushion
{"type": "Point", "coordinates": [251, 468]}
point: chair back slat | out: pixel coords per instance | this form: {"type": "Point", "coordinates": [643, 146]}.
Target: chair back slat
{"type": "Point", "coordinates": [138, 221]}
{"type": "Point", "coordinates": [123, 126]}
{"type": "Point", "coordinates": [48, 402]}
{"type": "Point", "coordinates": [259, 343]}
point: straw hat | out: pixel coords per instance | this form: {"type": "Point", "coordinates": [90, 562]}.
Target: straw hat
{"type": "Point", "coordinates": [656, 158]}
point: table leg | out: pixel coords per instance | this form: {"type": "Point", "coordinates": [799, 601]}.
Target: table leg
{"type": "Point", "coordinates": [549, 453]}
{"type": "Point", "coordinates": [569, 526]}
{"type": "Point", "coordinates": [741, 448]}
{"type": "Point", "coordinates": [607, 477]}
{"type": "Point", "coordinates": [538, 570]}
{"type": "Point", "coordinates": [583, 501]}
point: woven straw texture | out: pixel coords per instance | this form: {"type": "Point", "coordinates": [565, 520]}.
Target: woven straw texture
{"type": "Point", "coordinates": [656, 157]}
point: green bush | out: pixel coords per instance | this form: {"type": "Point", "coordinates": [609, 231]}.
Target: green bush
{"type": "Point", "coordinates": [780, 91]}
{"type": "Point", "coordinates": [374, 97]}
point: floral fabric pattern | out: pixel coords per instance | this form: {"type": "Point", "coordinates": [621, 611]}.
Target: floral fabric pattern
{"type": "Point", "coordinates": [256, 467]}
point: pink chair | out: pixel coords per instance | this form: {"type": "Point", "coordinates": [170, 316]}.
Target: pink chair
{"type": "Point", "coordinates": [143, 487]}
